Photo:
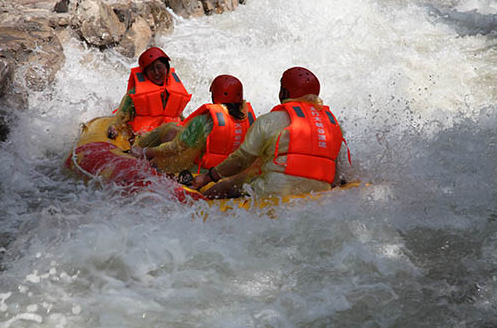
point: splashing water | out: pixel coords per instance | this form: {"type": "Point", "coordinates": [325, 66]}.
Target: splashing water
{"type": "Point", "coordinates": [414, 87]}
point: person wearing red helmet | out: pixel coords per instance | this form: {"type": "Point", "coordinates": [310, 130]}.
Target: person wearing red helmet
{"type": "Point", "coordinates": [209, 134]}
{"type": "Point", "coordinates": [297, 145]}
{"type": "Point", "coordinates": [155, 96]}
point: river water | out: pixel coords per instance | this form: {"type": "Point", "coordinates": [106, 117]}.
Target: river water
{"type": "Point", "coordinates": [413, 84]}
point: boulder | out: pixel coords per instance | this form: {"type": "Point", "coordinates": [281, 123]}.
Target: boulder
{"type": "Point", "coordinates": [136, 39]}
{"type": "Point", "coordinates": [130, 26]}
{"type": "Point", "coordinates": [100, 26]}
{"type": "Point", "coordinates": [31, 45]}
{"type": "Point", "coordinates": [5, 72]}
{"type": "Point", "coordinates": [158, 17]}
{"type": "Point", "coordinates": [36, 48]}
{"type": "Point", "coordinates": [27, 5]}
{"type": "Point", "coordinates": [219, 6]}
{"type": "Point", "coordinates": [197, 8]}
{"type": "Point", "coordinates": [62, 6]}
{"type": "Point", "coordinates": [31, 31]}
{"type": "Point", "coordinates": [186, 8]}
{"type": "Point", "coordinates": [144, 20]}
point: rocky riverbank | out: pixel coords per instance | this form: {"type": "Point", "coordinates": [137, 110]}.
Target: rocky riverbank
{"type": "Point", "coordinates": [33, 34]}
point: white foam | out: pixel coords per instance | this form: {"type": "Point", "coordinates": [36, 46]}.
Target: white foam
{"type": "Point", "coordinates": [417, 103]}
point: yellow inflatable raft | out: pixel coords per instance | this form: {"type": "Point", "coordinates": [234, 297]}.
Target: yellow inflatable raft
{"type": "Point", "coordinates": [96, 155]}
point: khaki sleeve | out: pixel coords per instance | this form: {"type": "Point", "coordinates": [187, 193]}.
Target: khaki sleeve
{"type": "Point", "coordinates": [236, 162]}
{"type": "Point", "coordinates": [251, 148]}
{"type": "Point", "coordinates": [255, 138]}
{"type": "Point", "coordinates": [258, 143]}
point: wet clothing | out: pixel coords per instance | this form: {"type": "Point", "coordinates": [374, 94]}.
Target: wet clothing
{"type": "Point", "coordinates": [268, 131]}
{"type": "Point", "coordinates": [315, 137]}
{"type": "Point", "coordinates": [154, 138]}
{"type": "Point", "coordinates": [146, 106]}
{"type": "Point", "coordinates": [227, 133]}
{"type": "Point", "coordinates": [189, 145]}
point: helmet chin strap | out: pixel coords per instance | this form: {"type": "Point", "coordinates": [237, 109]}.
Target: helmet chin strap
{"type": "Point", "coordinates": [283, 95]}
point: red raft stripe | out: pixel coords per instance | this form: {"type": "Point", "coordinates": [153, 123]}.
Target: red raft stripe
{"type": "Point", "coordinates": [97, 159]}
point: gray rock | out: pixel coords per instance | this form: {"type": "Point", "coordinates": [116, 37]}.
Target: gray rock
{"type": "Point", "coordinates": [186, 8]}
{"type": "Point", "coordinates": [197, 8]}
{"type": "Point", "coordinates": [31, 32]}
{"type": "Point", "coordinates": [33, 45]}
{"type": "Point", "coordinates": [5, 72]}
{"type": "Point", "coordinates": [219, 6]}
{"type": "Point", "coordinates": [62, 6]}
{"type": "Point", "coordinates": [158, 17]}
{"type": "Point", "coordinates": [136, 39]}
{"type": "Point", "coordinates": [100, 25]}
{"type": "Point", "coordinates": [34, 52]}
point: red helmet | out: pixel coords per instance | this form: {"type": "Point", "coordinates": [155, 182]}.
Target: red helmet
{"type": "Point", "coordinates": [226, 89]}
{"type": "Point", "coordinates": [149, 55]}
{"type": "Point", "coordinates": [299, 81]}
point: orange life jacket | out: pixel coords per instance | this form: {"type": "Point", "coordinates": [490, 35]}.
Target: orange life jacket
{"type": "Point", "coordinates": [226, 136]}
{"type": "Point", "coordinates": [315, 141]}
{"type": "Point", "coordinates": [156, 104]}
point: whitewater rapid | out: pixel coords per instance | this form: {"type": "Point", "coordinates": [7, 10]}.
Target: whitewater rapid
{"type": "Point", "coordinates": [413, 84]}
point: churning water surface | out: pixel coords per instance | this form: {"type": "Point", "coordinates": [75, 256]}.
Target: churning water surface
{"type": "Point", "coordinates": [413, 84]}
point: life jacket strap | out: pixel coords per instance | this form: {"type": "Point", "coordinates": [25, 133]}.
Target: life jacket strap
{"type": "Point", "coordinates": [276, 149]}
